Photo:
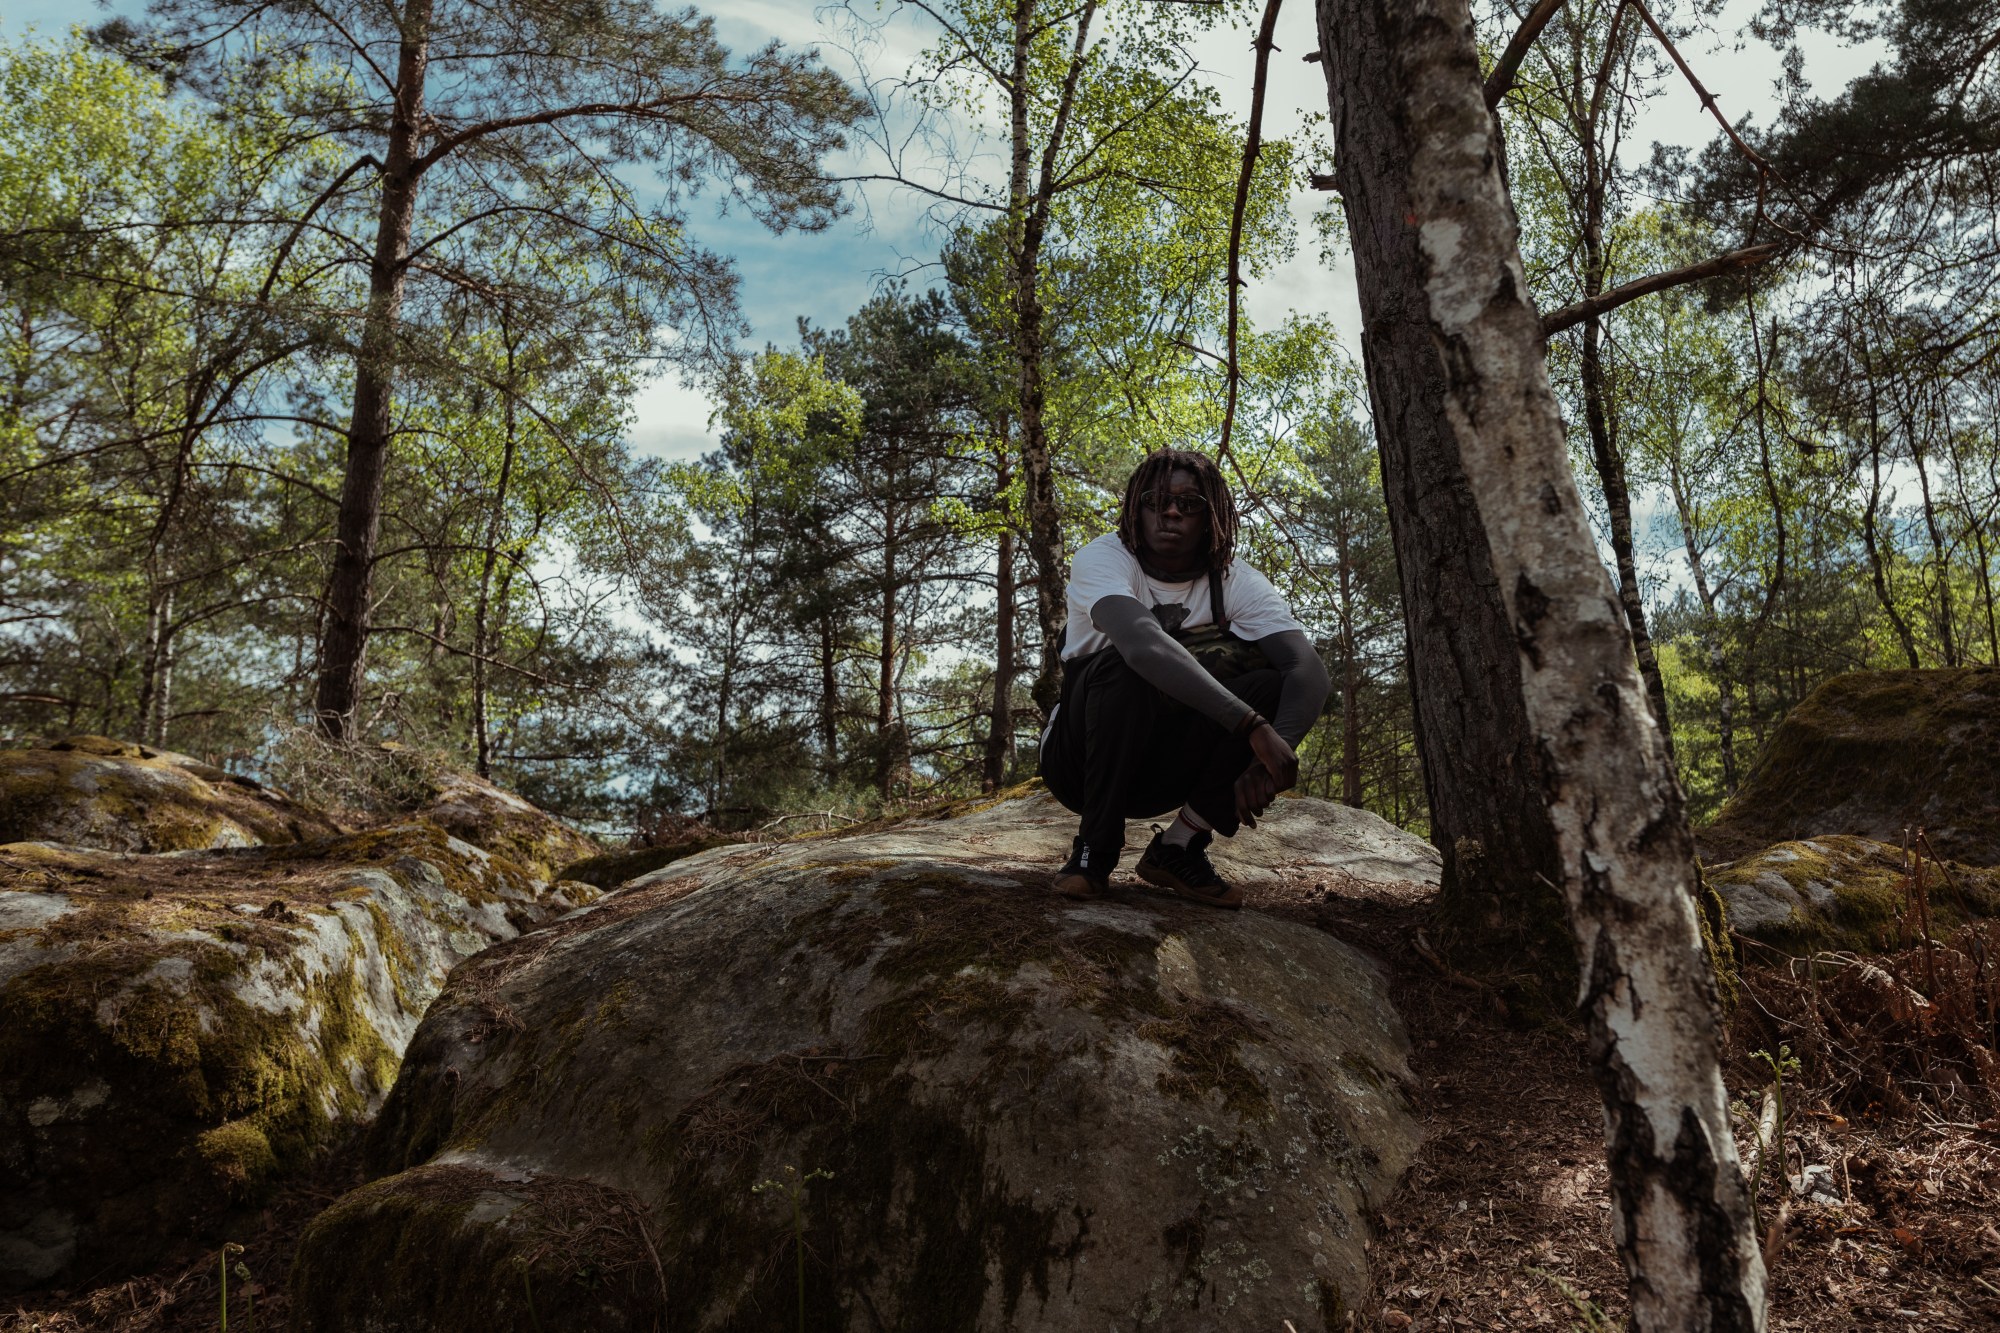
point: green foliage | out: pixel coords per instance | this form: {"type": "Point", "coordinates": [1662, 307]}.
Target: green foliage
{"type": "Point", "coordinates": [837, 613]}
{"type": "Point", "coordinates": [184, 282]}
{"type": "Point", "coordinates": [1810, 450]}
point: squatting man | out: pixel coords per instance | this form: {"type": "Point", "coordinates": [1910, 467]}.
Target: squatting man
{"type": "Point", "coordinates": [1185, 681]}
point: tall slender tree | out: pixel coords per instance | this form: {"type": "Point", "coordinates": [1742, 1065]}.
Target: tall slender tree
{"type": "Point", "coordinates": [524, 114]}
{"type": "Point", "coordinates": [1112, 147]}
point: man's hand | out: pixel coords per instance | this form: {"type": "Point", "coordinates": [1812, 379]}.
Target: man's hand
{"type": "Point", "coordinates": [1274, 768]}
{"type": "Point", "coordinates": [1276, 756]}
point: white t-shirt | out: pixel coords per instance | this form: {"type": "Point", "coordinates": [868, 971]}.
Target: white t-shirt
{"type": "Point", "coordinates": [1104, 568]}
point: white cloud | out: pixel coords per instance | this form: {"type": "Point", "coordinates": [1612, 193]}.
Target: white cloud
{"type": "Point", "coordinates": [671, 420]}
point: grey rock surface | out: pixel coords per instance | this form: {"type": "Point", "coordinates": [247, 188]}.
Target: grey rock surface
{"type": "Point", "coordinates": [1300, 838]}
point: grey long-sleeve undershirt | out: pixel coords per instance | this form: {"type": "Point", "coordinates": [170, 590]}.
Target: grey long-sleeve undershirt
{"type": "Point", "coordinates": [1165, 664]}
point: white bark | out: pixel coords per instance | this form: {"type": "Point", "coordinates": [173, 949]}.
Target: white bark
{"type": "Point", "coordinates": [1681, 1215]}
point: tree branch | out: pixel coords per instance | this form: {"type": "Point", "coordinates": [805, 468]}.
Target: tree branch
{"type": "Point", "coordinates": [1508, 67]}
{"type": "Point", "coordinates": [1253, 143]}
{"type": "Point", "coordinates": [1748, 257]}
{"type": "Point", "coordinates": [285, 251]}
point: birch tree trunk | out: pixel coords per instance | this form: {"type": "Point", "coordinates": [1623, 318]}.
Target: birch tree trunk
{"type": "Point", "coordinates": [1454, 354]}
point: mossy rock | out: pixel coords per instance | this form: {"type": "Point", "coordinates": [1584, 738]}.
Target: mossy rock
{"type": "Point", "coordinates": [608, 870]}
{"type": "Point", "coordinates": [90, 791]}
{"type": "Point", "coordinates": [1843, 892]}
{"type": "Point", "coordinates": [484, 815]}
{"type": "Point", "coordinates": [179, 1031]}
{"type": "Point", "coordinates": [1036, 1114]}
{"type": "Point", "coordinates": [1872, 752]}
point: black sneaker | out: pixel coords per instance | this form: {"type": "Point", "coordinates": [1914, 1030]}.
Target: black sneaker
{"type": "Point", "coordinates": [1077, 881]}
{"type": "Point", "coordinates": [1186, 870]}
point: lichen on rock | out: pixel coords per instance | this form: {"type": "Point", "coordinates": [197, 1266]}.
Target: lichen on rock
{"type": "Point", "coordinates": [1845, 892]}
{"type": "Point", "coordinates": [1035, 1114]}
{"type": "Point", "coordinates": [88, 791]}
{"type": "Point", "coordinates": [486, 816]}
{"type": "Point", "coordinates": [176, 1030]}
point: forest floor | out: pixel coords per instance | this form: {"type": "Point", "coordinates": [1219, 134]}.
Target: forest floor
{"type": "Point", "coordinates": [1503, 1220]}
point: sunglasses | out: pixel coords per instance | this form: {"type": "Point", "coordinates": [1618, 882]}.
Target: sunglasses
{"type": "Point", "coordinates": [1194, 506]}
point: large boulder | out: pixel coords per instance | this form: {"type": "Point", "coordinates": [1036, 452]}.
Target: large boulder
{"type": "Point", "coordinates": [1872, 752]}
{"type": "Point", "coordinates": [896, 1064]}
{"type": "Point", "coordinates": [487, 816]}
{"type": "Point", "coordinates": [88, 791]}
{"type": "Point", "coordinates": [176, 1030]}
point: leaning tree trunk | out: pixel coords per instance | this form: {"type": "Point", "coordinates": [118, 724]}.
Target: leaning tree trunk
{"type": "Point", "coordinates": [1618, 507]}
{"type": "Point", "coordinates": [483, 635]}
{"type": "Point", "coordinates": [1045, 547]}
{"type": "Point", "coordinates": [1031, 192]}
{"type": "Point", "coordinates": [1481, 773]}
{"type": "Point", "coordinates": [1458, 381]}
{"type": "Point", "coordinates": [345, 639]}
{"type": "Point", "coordinates": [1000, 736]}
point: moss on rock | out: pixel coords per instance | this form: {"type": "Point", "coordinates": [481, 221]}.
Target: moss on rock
{"type": "Point", "coordinates": [1844, 892]}
{"type": "Point", "coordinates": [178, 1030]}
{"type": "Point", "coordinates": [1870, 753]}
{"type": "Point", "coordinates": [239, 1155]}
{"type": "Point", "coordinates": [608, 870]}
{"type": "Point", "coordinates": [528, 1251]}
{"type": "Point", "coordinates": [482, 814]}
{"type": "Point", "coordinates": [88, 791]}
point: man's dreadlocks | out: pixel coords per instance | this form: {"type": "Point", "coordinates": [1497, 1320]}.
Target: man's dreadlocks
{"type": "Point", "coordinates": [1155, 473]}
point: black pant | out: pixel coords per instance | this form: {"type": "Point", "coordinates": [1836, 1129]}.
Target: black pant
{"type": "Point", "coordinates": [1121, 749]}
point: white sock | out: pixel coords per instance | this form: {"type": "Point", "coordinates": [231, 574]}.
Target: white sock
{"type": "Point", "coordinates": [1186, 824]}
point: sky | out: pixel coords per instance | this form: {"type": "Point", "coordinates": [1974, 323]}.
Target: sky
{"type": "Point", "coordinates": [826, 276]}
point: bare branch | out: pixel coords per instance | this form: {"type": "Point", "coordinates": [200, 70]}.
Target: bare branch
{"type": "Point", "coordinates": [1508, 67]}
{"type": "Point", "coordinates": [1253, 144]}
{"type": "Point", "coordinates": [1749, 257]}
